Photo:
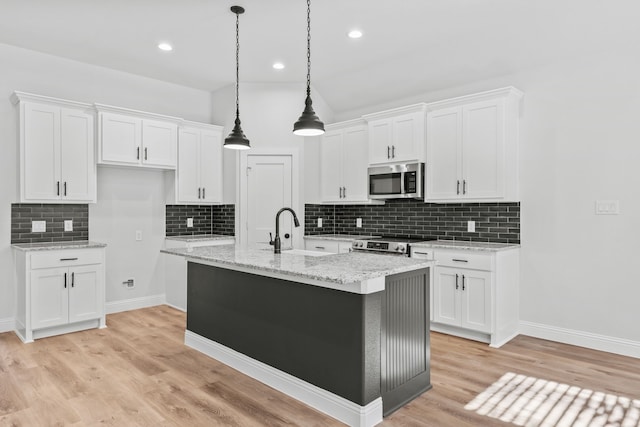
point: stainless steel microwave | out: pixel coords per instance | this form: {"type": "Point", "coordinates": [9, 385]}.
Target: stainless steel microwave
{"type": "Point", "coordinates": [396, 181]}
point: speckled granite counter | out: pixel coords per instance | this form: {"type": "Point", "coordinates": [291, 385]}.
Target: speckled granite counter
{"type": "Point", "coordinates": [200, 237]}
{"type": "Point", "coordinates": [473, 246]}
{"type": "Point", "coordinates": [339, 237]}
{"type": "Point", "coordinates": [356, 272]}
{"type": "Point", "coordinates": [54, 246]}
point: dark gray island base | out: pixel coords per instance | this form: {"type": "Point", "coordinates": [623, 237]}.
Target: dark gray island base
{"type": "Point", "coordinates": [361, 347]}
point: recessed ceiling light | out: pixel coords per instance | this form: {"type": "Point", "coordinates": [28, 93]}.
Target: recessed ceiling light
{"type": "Point", "coordinates": [278, 65]}
{"type": "Point", "coordinates": [355, 34]}
{"type": "Point", "coordinates": [165, 46]}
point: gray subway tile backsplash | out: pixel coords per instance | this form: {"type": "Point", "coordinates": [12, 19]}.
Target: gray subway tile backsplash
{"type": "Point", "coordinates": [495, 222]}
{"type": "Point", "coordinates": [22, 214]}
{"type": "Point", "coordinates": [207, 219]}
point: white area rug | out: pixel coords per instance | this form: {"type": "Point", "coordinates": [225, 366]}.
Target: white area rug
{"type": "Point", "coordinates": [533, 402]}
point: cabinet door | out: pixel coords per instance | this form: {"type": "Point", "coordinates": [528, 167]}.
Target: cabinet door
{"type": "Point", "coordinates": [159, 143]}
{"type": "Point", "coordinates": [120, 138]}
{"type": "Point", "coordinates": [444, 157]}
{"type": "Point", "coordinates": [354, 164]}
{"type": "Point", "coordinates": [446, 296]}
{"type": "Point", "coordinates": [476, 300]}
{"type": "Point", "coordinates": [408, 137]}
{"type": "Point", "coordinates": [78, 164]}
{"type": "Point", "coordinates": [85, 296]}
{"type": "Point", "coordinates": [211, 166]}
{"type": "Point", "coordinates": [483, 149]}
{"type": "Point", "coordinates": [188, 172]}
{"type": "Point", "coordinates": [41, 161]}
{"type": "Point", "coordinates": [331, 167]}
{"type": "Point", "coordinates": [380, 141]}
{"type": "Point", "coordinates": [49, 297]}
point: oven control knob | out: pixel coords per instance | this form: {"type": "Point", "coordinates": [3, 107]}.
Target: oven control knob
{"type": "Point", "coordinates": [401, 248]}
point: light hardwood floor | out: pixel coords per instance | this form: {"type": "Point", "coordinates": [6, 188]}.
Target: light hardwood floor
{"type": "Point", "coordinates": [138, 372]}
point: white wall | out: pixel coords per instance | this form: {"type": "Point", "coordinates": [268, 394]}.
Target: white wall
{"type": "Point", "coordinates": [131, 196]}
{"type": "Point", "coordinates": [580, 144]}
{"type": "Point", "coordinates": [268, 112]}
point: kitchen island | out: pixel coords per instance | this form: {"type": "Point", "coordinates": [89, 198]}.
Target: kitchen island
{"type": "Point", "coordinates": [345, 333]}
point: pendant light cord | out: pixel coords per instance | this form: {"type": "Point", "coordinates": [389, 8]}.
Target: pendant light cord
{"type": "Point", "coordinates": [308, 47]}
{"type": "Point", "coordinates": [237, 65]}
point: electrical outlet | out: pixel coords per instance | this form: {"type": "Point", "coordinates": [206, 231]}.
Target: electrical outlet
{"type": "Point", "coordinates": [607, 207]}
{"type": "Point", "coordinates": [68, 225]}
{"type": "Point", "coordinates": [319, 222]}
{"type": "Point", "coordinates": [138, 235]}
{"type": "Point", "coordinates": [129, 283]}
{"type": "Point", "coordinates": [471, 226]}
{"type": "Point", "coordinates": [189, 222]}
{"type": "Point", "coordinates": [38, 226]}
{"type": "Point", "coordinates": [359, 222]}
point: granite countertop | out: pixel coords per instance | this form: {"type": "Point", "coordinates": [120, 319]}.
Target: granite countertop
{"type": "Point", "coordinates": [340, 237]}
{"type": "Point", "coordinates": [200, 237]}
{"type": "Point", "coordinates": [53, 246]}
{"type": "Point", "coordinates": [340, 269]}
{"type": "Point", "coordinates": [458, 244]}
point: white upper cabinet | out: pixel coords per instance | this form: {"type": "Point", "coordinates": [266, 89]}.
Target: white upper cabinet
{"type": "Point", "coordinates": [134, 138]}
{"type": "Point", "coordinates": [198, 179]}
{"type": "Point", "coordinates": [344, 162]}
{"type": "Point", "coordinates": [56, 139]}
{"type": "Point", "coordinates": [397, 135]}
{"type": "Point", "coordinates": [472, 148]}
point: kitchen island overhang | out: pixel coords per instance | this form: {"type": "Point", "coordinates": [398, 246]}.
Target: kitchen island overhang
{"type": "Point", "coordinates": [286, 320]}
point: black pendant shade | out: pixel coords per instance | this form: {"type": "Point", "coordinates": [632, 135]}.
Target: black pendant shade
{"type": "Point", "coordinates": [236, 139]}
{"type": "Point", "coordinates": [308, 124]}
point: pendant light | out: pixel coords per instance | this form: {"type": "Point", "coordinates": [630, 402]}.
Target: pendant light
{"type": "Point", "coordinates": [236, 139]}
{"type": "Point", "coordinates": [308, 124]}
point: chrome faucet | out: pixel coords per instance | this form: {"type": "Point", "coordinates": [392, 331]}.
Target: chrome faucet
{"type": "Point", "coordinates": [277, 245]}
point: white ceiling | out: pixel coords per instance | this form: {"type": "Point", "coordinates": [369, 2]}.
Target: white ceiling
{"type": "Point", "coordinates": [408, 46]}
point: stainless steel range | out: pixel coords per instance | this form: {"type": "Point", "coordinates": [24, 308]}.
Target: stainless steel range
{"type": "Point", "coordinates": [389, 245]}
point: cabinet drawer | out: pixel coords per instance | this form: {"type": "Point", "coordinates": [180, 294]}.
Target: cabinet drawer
{"type": "Point", "coordinates": [464, 259]}
{"type": "Point", "coordinates": [66, 258]}
{"type": "Point", "coordinates": [322, 245]}
{"type": "Point", "coordinates": [422, 253]}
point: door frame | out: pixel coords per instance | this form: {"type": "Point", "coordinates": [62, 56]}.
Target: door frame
{"type": "Point", "coordinates": [241, 191]}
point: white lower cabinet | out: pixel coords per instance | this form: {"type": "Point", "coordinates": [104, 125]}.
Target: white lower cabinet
{"type": "Point", "coordinates": [332, 246]}
{"type": "Point", "coordinates": [59, 291]}
{"type": "Point", "coordinates": [475, 294]}
{"type": "Point", "coordinates": [176, 268]}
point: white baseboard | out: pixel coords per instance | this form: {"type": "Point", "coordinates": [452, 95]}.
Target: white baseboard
{"type": "Point", "coordinates": [324, 401]}
{"type": "Point", "coordinates": [134, 303]}
{"type": "Point", "coordinates": [176, 307]}
{"type": "Point", "coordinates": [7, 325]}
{"type": "Point", "coordinates": [583, 339]}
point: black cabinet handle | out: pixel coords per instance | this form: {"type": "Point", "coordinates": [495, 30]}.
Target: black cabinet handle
{"type": "Point", "coordinates": [456, 282]}
{"type": "Point", "coordinates": [319, 247]}
{"type": "Point", "coordinates": [199, 193]}
{"type": "Point", "coordinates": [458, 187]}
{"type": "Point", "coordinates": [65, 188]}
{"type": "Point", "coordinates": [68, 259]}
{"type": "Point", "coordinates": [340, 192]}
{"type": "Point", "coordinates": [73, 280]}
{"type": "Point", "coordinates": [393, 151]}
{"type": "Point", "coordinates": [464, 186]}
{"type": "Point", "coordinates": [58, 188]}
{"type": "Point", "coordinates": [65, 280]}
{"type": "Point", "coordinates": [463, 282]}
{"type": "Point", "coordinates": [287, 235]}
{"type": "Point", "coordinates": [388, 152]}
{"type": "Point", "coordinates": [145, 153]}
{"type": "Point", "coordinates": [138, 153]}
{"type": "Point", "coordinates": [203, 196]}
{"type": "Point", "coordinates": [459, 260]}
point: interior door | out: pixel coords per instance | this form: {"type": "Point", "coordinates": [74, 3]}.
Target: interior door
{"type": "Point", "coordinates": [268, 190]}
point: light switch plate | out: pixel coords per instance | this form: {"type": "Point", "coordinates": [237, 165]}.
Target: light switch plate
{"type": "Point", "coordinates": [607, 207]}
{"type": "Point", "coordinates": [138, 235]}
{"type": "Point", "coordinates": [471, 226]}
{"type": "Point", "coordinates": [68, 225]}
{"type": "Point", "coordinates": [189, 222]}
{"type": "Point", "coordinates": [38, 226]}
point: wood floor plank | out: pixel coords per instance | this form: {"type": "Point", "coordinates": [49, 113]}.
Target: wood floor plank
{"type": "Point", "coordinates": [138, 372]}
